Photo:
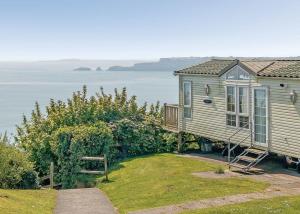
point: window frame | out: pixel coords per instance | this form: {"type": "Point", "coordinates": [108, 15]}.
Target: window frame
{"type": "Point", "coordinates": [236, 71]}
{"type": "Point", "coordinates": [237, 105]}
{"type": "Point", "coordinates": [183, 92]}
{"type": "Point", "coordinates": [247, 99]}
{"type": "Point", "coordinates": [231, 112]}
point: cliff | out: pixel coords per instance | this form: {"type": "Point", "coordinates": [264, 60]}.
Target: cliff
{"type": "Point", "coordinates": [164, 64]}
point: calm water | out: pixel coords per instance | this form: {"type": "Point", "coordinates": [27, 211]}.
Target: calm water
{"type": "Point", "coordinates": [20, 89]}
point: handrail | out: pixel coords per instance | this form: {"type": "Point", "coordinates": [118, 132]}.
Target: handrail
{"type": "Point", "coordinates": [240, 129]}
{"type": "Point", "coordinates": [229, 140]}
{"type": "Point", "coordinates": [236, 145]}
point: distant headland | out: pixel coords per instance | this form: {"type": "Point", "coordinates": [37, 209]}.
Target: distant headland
{"type": "Point", "coordinates": [82, 69]}
{"type": "Point", "coordinates": [164, 64]}
{"type": "Point", "coordinates": [177, 63]}
{"type": "Point", "coordinates": [87, 69]}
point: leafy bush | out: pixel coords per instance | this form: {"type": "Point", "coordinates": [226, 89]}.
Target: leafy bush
{"type": "Point", "coordinates": [29, 180]}
{"type": "Point", "coordinates": [169, 142]}
{"type": "Point", "coordinates": [15, 169]}
{"type": "Point", "coordinates": [136, 138]}
{"type": "Point", "coordinates": [91, 126]}
{"type": "Point", "coordinates": [142, 137]}
{"type": "Point", "coordinates": [220, 170]}
{"type": "Point", "coordinates": [76, 142]}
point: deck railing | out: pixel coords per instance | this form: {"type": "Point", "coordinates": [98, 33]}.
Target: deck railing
{"type": "Point", "coordinates": [171, 116]}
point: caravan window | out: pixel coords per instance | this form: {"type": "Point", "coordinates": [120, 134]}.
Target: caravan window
{"type": "Point", "coordinates": [237, 73]}
{"type": "Point", "coordinates": [187, 99]}
{"type": "Point", "coordinates": [237, 106]}
{"type": "Point", "coordinates": [231, 99]}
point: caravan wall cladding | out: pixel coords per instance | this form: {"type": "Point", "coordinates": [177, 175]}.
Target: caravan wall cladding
{"type": "Point", "coordinates": [209, 119]}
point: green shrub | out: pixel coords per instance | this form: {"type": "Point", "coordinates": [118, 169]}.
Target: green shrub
{"type": "Point", "coordinates": [142, 137]}
{"type": "Point", "coordinates": [15, 169]}
{"type": "Point", "coordinates": [29, 180]}
{"type": "Point", "coordinates": [91, 126]}
{"type": "Point", "coordinates": [220, 170]}
{"type": "Point", "coordinates": [169, 142]}
{"type": "Point", "coordinates": [76, 142]}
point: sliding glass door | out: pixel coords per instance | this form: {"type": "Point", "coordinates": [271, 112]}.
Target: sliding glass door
{"type": "Point", "coordinates": [260, 116]}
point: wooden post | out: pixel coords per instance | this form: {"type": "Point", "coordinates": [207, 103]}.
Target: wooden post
{"type": "Point", "coordinates": [105, 168]}
{"type": "Point", "coordinates": [165, 114]}
{"type": "Point", "coordinates": [179, 143]}
{"type": "Point", "coordinates": [51, 175]}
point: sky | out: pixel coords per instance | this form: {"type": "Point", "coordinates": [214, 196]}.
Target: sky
{"type": "Point", "coordinates": [147, 29]}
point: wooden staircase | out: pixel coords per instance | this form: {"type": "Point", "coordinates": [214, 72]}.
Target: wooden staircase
{"type": "Point", "coordinates": [249, 158]}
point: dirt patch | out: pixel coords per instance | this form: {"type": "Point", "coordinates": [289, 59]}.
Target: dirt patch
{"type": "Point", "coordinates": [3, 196]}
{"type": "Point", "coordinates": [216, 202]}
{"type": "Point", "coordinates": [278, 180]}
{"type": "Point", "coordinates": [214, 175]}
{"type": "Point", "coordinates": [281, 185]}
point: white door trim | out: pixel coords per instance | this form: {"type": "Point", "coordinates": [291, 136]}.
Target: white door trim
{"type": "Point", "coordinates": [267, 116]}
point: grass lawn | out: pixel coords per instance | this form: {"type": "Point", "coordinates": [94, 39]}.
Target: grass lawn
{"type": "Point", "coordinates": [164, 179]}
{"type": "Point", "coordinates": [27, 201]}
{"type": "Point", "coordinates": [286, 205]}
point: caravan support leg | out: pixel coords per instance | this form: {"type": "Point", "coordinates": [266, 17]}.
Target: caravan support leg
{"type": "Point", "coordinates": [179, 142]}
{"type": "Point", "coordinates": [228, 150]}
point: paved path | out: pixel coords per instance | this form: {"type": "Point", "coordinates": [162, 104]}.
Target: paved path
{"type": "Point", "coordinates": [83, 201]}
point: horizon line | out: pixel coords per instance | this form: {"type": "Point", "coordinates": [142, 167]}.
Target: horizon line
{"type": "Point", "coordinates": [135, 59]}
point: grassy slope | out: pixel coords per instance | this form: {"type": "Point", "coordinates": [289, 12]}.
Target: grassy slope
{"type": "Point", "coordinates": [27, 201]}
{"type": "Point", "coordinates": [166, 179]}
{"type": "Point", "coordinates": [287, 205]}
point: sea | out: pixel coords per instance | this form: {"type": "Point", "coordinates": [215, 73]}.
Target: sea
{"type": "Point", "coordinates": [20, 89]}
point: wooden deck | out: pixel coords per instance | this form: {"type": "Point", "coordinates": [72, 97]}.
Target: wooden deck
{"type": "Point", "coordinates": [171, 117]}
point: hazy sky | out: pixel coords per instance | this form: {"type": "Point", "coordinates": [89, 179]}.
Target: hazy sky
{"type": "Point", "coordinates": [147, 29]}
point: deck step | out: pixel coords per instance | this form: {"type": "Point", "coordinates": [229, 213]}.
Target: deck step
{"type": "Point", "coordinates": [255, 151]}
{"type": "Point", "coordinates": [247, 159]}
{"type": "Point", "coordinates": [236, 165]}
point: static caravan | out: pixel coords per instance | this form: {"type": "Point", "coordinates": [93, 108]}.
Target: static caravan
{"type": "Point", "coordinates": [247, 103]}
